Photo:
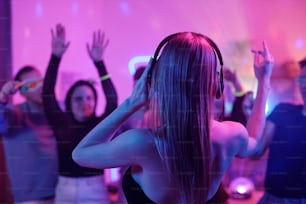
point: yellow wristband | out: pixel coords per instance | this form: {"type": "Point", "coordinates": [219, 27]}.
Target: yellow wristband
{"type": "Point", "coordinates": [240, 93]}
{"type": "Point", "coordinates": [105, 77]}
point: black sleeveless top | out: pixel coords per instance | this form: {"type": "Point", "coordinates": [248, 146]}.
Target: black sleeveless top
{"type": "Point", "coordinates": [132, 191]}
{"type": "Point", "coordinates": [135, 195]}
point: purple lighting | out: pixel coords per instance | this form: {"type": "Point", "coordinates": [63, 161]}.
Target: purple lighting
{"type": "Point", "coordinates": [125, 9]}
{"type": "Point", "coordinates": [38, 9]}
{"type": "Point", "coordinates": [75, 8]}
{"type": "Point", "coordinates": [299, 43]}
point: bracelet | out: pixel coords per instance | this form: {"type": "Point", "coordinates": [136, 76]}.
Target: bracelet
{"type": "Point", "coordinates": [240, 93]}
{"type": "Point", "coordinates": [105, 77]}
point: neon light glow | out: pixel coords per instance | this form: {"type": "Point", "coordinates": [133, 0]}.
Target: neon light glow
{"type": "Point", "coordinates": [136, 61]}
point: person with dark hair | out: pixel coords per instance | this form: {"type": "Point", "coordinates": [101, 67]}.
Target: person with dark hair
{"type": "Point", "coordinates": [183, 157]}
{"type": "Point", "coordinates": [77, 184]}
{"type": "Point", "coordinates": [284, 136]}
{"type": "Point", "coordinates": [243, 101]}
{"type": "Point", "coordinates": [242, 108]}
{"type": "Point", "coordinates": [29, 144]}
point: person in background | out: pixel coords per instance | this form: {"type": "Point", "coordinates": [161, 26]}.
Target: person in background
{"type": "Point", "coordinates": [77, 184]}
{"type": "Point", "coordinates": [284, 135]}
{"type": "Point", "coordinates": [29, 143]}
{"type": "Point", "coordinates": [250, 168]}
{"type": "Point", "coordinates": [243, 101]}
{"type": "Point", "coordinates": [181, 159]}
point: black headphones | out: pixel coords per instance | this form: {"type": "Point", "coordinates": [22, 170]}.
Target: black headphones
{"type": "Point", "coordinates": [210, 42]}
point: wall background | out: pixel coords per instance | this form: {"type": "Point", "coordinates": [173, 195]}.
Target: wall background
{"type": "Point", "coordinates": [135, 27]}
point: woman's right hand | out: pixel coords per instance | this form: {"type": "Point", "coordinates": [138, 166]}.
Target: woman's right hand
{"type": "Point", "coordinates": [59, 44]}
{"type": "Point", "coordinates": [9, 88]}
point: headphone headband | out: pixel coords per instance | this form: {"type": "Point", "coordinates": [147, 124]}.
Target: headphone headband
{"type": "Point", "coordinates": [169, 37]}
{"type": "Point", "coordinates": [210, 42]}
{"type": "Point", "coordinates": [163, 43]}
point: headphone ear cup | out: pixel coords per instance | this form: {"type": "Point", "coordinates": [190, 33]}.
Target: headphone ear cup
{"type": "Point", "coordinates": [219, 85]}
{"type": "Point", "coordinates": [218, 91]}
{"type": "Point", "coordinates": [149, 76]}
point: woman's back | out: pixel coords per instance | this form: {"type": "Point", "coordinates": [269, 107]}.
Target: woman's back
{"type": "Point", "coordinates": [151, 174]}
{"type": "Point", "coordinates": [148, 170]}
{"type": "Point", "coordinates": [185, 156]}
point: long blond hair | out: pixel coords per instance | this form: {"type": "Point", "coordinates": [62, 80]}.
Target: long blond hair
{"type": "Point", "coordinates": [183, 87]}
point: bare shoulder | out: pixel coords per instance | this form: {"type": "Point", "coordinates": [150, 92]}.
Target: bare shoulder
{"type": "Point", "coordinates": [137, 136]}
{"type": "Point", "coordinates": [136, 141]}
{"type": "Point", "coordinates": [230, 135]}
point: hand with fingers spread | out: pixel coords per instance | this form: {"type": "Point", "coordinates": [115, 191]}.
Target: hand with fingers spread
{"type": "Point", "coordinates": [263, 66]}
{"type": "Point", "coordinates": [59, 44]}
{"type": "Point", "coordinates": [97, 48]}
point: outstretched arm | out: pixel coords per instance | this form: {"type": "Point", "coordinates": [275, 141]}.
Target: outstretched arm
{"type": "Point", "coordinates": [96, 51]}
{"type": "Point", "coordinates": [97, 144]}
{"type": "Point", "coordinates": [59, 47]}
{"type": "Point", "coordinates": [263, 64]}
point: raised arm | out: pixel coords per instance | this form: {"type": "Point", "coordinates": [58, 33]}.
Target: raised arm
{"type": "Point", "coordinates": [263, 64]}
{"type": "Point", "coordinates": [97, 145]}
{"type": "Point", "coordinates": [6, 116]}
{"type": "Point", "coordinates": [59, 47]}
{"type": "Point", "coordinates": [96, 51]}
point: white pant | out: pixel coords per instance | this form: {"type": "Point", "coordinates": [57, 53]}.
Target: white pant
{"type": "Point", "coordinates": [83, 190]}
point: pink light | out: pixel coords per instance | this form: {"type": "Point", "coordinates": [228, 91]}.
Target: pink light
{"type": "Point", "coordinates": [125, 8]}
{"type": "Point", "coordinates": [75, 8]}
{"type": "Point", "coordinates": [27, 32]}
{"type": "Point", "coordinates": [136, 61]}
{"type": "Point", "coordinates": [38, 9]}
{"type": "Point", "coordinates": [241, 189]}
{"type": "Point", "coordinates": [299, 43]}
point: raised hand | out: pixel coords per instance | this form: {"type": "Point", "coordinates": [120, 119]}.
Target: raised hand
{"type": "Point", "coordinates": [59, 44]}
{"type": "Point", "coordinates": [99, 43]}
{"type": "Point", "coordinates": [229, 75]}
{"type": "Point", "coordinates": [263, 65]}
{"type": "Point", "coordinates": [8, 89]}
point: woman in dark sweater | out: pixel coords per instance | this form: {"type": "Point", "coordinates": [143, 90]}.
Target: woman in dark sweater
{"type": "Point", "coordinates": [77, 184]}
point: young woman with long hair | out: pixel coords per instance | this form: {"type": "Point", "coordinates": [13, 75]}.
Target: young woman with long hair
{"type": "Point", "coordinates": [183, 158]}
